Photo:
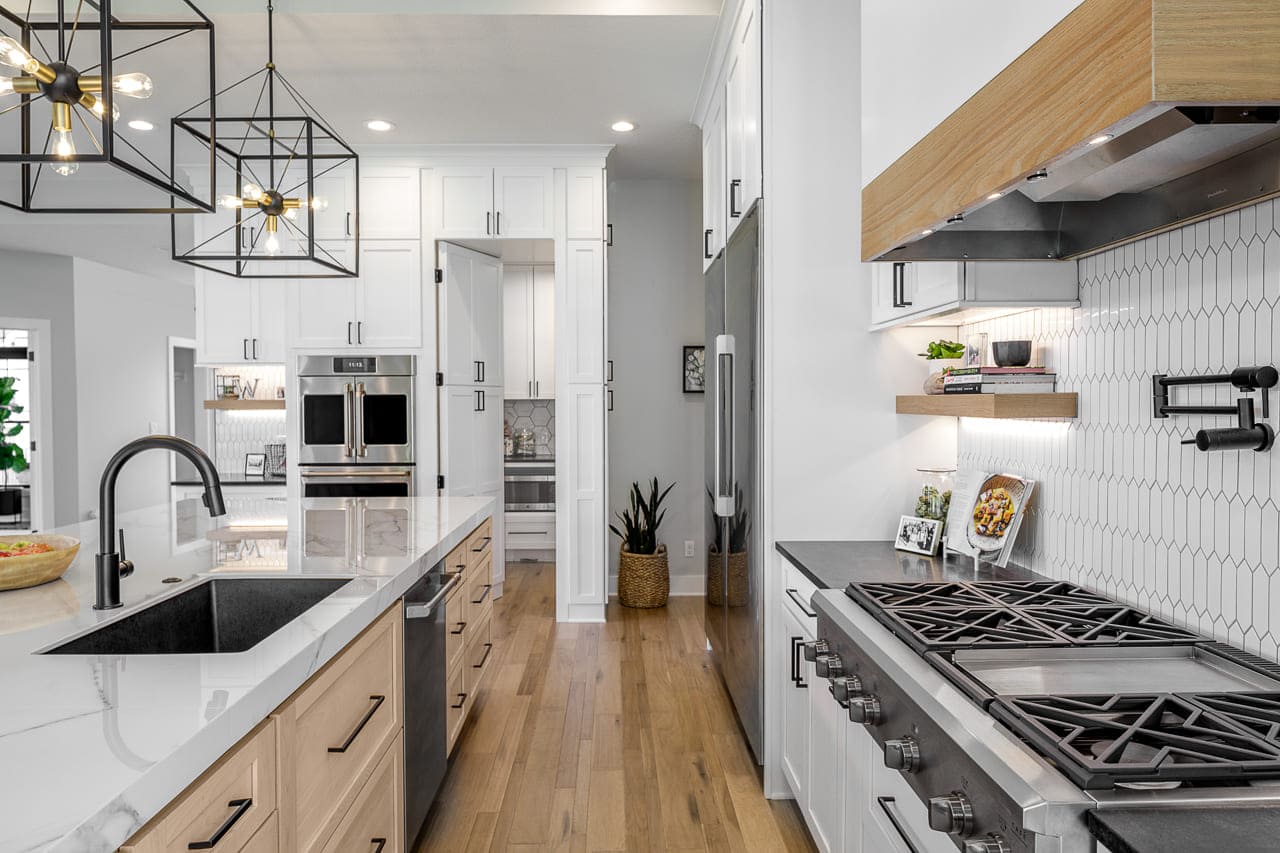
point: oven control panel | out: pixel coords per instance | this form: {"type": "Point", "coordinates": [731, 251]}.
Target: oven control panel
{"type": "Point", "coordinates": [355, 364]}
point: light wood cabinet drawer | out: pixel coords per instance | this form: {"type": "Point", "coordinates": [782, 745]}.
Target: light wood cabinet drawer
{"type": "Point", "coordinates": [479, 656]}
{"type": "Point", "coordinates": [334, 729]}
{"type": "Point", "coordinates": [459, 558]}
{"type": "Point", "coordinates": [226, 805]}
{"type": "Point", "coordinates": [265, 840]}
{"type": "Point", "coordinates": [480, 542]}
{"type": "Point", "coordinates": [455, 628]}
{"type": "Point", "coordinates": [375, 822]}
{"type": "Point", "coordinates": [480, 590]}
{"type": "Point", "coordinates": [456, 702]}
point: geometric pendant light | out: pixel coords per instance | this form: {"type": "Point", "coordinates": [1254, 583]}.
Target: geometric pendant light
{"type": "Point", "coordinates": [79, 109]}
{"type": "Point", "coordinates": [287, 185]}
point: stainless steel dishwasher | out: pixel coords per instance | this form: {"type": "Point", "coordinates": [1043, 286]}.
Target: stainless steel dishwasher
{"type": "Point", "coordinates": [426, 754]}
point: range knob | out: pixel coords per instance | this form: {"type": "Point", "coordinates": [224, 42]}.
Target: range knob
{"type": "Point", "coordinates": [988, 844]}
{"type": "Point", "coordinates": [902, 753]}
{"type": "Point", "coordinates": [845, 687]}
{"type": "Point", "coordinates": [829, 666]}
{"type": "Point", "coordinates": [864, 709]}
{"type": "Point", "coordinates": [813, 650]}
{"type": "Point", "coordinates": [952, 814]}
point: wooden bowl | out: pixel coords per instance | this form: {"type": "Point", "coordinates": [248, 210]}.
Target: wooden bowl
{"type": "Point", "coordinates": [33, 569]}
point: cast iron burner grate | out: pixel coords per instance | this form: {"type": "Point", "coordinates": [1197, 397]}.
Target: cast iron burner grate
{"type": "Point", "coordinates": [1110, 624]}
{"type": "Point", "coordinates": [1102, 741]}
{"type": "Point", "coordinates": [1041, 594]}
{"type": "Point", "coordinates": [917, 594]}
{"type": "Point", "coordinates": [928, 629]}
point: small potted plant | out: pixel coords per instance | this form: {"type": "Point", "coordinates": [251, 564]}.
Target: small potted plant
{"type": "Point", "coordinates": [942, 357]}
{"type": "Point", "coordinates": [11, 456]}
{"type": "Point", "coordinates": [644, 578]}
{"type": "Point", "coordinates": [739, 531]}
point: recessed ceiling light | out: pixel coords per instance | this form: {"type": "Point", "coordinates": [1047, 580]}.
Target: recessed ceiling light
{"type": "Point", "coordinates": [623, 126]}
{"type": "Point", "coordinates": [1101, 138]}
{"type": "Point", "coordinates": [994, 196]}
{"type": "Point", "coordinates": [926, 232]}
{"type": "Point", "coordinates": [141, 124]}
{"type": "Point", "coordinates": [380, 125]}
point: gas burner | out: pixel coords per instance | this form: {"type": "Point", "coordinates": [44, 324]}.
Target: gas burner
{"type": "Point", "coordinates": [1102, 741]}
{"type": "Point", "coordinates": [1040, 594]}
{"type": "Point", "coordinates": [917, 594]}
{"type": "Point", "coordinates": [1110, 624]}
{"type": "Point", "coordinates": [946, 628]}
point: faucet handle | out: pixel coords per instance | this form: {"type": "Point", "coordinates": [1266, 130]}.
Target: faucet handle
{"type": "Point", "coordinates": [126, 567]}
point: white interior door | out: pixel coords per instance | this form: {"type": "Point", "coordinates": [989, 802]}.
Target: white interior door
{"type": "Point", "coordinates": [487, 438]}
{"type": "Point", "coordinates": [517, 331]}
{"type": "Point", "coordinates": [458, 405]}
{"type": "Point", "coordinates": [457, 358]}
{"type": "Point", "coordinates": [582, 331]}
{"type": "Point", "coordinates": [523, 201]}
{"type": "Point", "coordinates": [544, 332]}
{"type": "Point", "coordinates": [486, 317]}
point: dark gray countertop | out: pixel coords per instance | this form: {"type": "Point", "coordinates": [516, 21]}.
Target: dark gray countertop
{"type": "Point", "coordinates": [834, 565]}
{"type": "Point", "coordinates": [257, 481]}
{"type": "Point", "coordinates": [1186, 830]}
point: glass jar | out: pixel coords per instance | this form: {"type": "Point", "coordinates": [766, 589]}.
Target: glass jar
{"type": "Point", "coordinates": [935, 492]}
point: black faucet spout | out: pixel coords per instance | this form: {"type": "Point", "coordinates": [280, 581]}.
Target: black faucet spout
{"type": "Point", "coordinates": [110, 563]}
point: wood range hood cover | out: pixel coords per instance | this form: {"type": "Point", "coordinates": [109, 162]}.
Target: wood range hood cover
{"type": "Point", "coordinates": [1128, 118]}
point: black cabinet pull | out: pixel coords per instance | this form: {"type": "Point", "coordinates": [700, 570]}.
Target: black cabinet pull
{"type": "Point", "coordinates": [484, 594]}
{"type": "Point", "coordinates": [610, 393]}
{"type": "Point", "coordinates": [482, 371]}
{"type": "Point", "coordinates": [609, 370]}
{"type": "Point", "coordinates": [497, 218]}
{"type": "Point", "coordinates": [488, 222]}
{"type": "Point", "coordinates": [488, 647]}
{"type": "Point", "coordinates": [609, 228]}
{"type": "Point", "coordinates": [240, 806]}
{"type": "Point", "coordinates": [348, 333]}
{"type": "Point", "coordinates": [378, 844]}
{"type": "Point", "coordinates": [462, 700]}
{"type": "Point", "coordinates": [734, 186]}
{"type": "Point", "coordinates": [797, 648]}
{"type": "Point", "coordinates": [360, 331]}
{"type": "Point", "coordinates": [795, 596]}
{"type": "Point", "coordinates": [885, 803]}
{"type": "Point", "coordinates": [706, 244]}
{"type": "Point", "coordinates": [462, 626]}
{"type": "Point", "coordinates": [364, 721]}
{"type": "Point", "coordinates": [244, 348]}
{"type": "Point", "coordinates": [900, 286]}
{"type": "Point", "coordinates": [255, 349]}
{"type": "Point", "coordinates": [484, 543]}
{"type": "Point", "coordinates": [348, 223]}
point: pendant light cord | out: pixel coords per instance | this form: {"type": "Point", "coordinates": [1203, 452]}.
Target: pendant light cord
{"type": "Point", "coordinates": [271, 94]}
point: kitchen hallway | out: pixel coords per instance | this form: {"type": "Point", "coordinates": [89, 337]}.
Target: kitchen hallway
{"type": "Point", "coordinates": [603, 737]}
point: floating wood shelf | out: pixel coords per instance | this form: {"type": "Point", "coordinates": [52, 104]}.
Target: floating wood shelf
{"type": "Point", "coordinates": [991, 405]}
{"type": "Point", "coordinates": [244, 405]}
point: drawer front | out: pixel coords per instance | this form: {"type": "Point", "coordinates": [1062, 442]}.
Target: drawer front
{"type": "Point", "coordinates": [455, 629]}
{"type": "Point", "coordinates": [527, 535]}
{"type": "Point", "coordinates": [479, 656]}
{"type": "Point", "coordinates": [480, 589]}
{"type": "Point", "coordinates": [227, 805]}
{"type": "Point", "coordinates": [459, 558]}
{"type": "Point", "coordinates": [479, 543]}
{"type": "Point", "coordinates": [456, 702]}
{"type": "Point", "coordinates": [265, 840]}
{"type": "Point", "coordinates": [375, 822]}
{"type": "Point", "coordinates": [799, 591]}
{"type": "Point", "coordinates": [341, 723]}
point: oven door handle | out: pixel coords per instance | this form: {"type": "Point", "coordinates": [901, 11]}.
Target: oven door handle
{"type": "Point", "coordinates": [355, 477]}
{"type": "Point", "coordinates": [348, 431]}
{"type": "Point", "coordinates": [885, 803]}
{"type": "Point", "coordinates": [358, 419]}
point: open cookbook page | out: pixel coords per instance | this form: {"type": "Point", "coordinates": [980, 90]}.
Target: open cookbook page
{"type": "Point", "coordinates": [986, 512]}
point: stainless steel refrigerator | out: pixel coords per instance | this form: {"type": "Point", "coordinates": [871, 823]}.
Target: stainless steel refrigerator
{"type": "Point", "coordinates": [734, 601]}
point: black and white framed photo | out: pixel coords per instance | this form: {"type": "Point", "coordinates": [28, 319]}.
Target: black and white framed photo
{"type": "Point", "coordinates": [975, 350]}
{"type": "Point", "coordinates": [918, 535]}
{"type": "Point", "coordinates": [255, 464]}
{"type": "Point", "coordinates": [695, 369]}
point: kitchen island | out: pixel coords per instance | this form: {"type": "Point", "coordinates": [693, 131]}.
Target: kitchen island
{"type": "Point", "coordinates": [95, 746]}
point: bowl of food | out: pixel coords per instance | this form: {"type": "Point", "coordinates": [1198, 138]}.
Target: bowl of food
{"type": "Point", "coordinates": [994, 510]}
{"type": "Point", "coordinates": [30, 559]}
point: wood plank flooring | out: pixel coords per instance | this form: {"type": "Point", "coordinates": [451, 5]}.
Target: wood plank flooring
{"type": "Point", "coordinates": [603, 737]}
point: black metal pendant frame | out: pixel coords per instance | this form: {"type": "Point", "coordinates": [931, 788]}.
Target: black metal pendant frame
{"type": "Point", "coordinates": [136, 181]}
{"type": "Point", "coordinates": [290, 152]}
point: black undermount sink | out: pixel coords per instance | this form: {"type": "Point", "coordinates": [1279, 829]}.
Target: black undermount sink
{"type": "Point", "coordinates": [222, 615]}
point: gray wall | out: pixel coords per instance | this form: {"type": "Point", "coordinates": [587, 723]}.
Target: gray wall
{"type": "Point", "coordinates": [34, 286]}
{"type": "Point", "coordinates": [656, 307]}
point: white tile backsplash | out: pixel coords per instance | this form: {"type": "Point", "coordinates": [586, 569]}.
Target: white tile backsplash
{"type": "Point", "coordinates": [1121, 505]}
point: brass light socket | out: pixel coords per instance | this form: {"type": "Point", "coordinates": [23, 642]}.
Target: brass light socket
{"type": "Point", "coordinates": [271, 224]}
{"type": "Point", "coordinates": [45, 74]}
{"type": "Point", "coordinates": [90, 83]}
{"type": "Point", "coordinates": [61, 117]}
{"type": "Point", "coordinates": [293, 204]}
{"type": "Point", "coordinates": [26, 85]}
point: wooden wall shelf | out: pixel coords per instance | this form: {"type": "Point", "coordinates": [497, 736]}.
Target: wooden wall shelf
{"type": "Point", "coordinates": [991, 405]}
{"type": "Point", "coordinates": [244, 405]}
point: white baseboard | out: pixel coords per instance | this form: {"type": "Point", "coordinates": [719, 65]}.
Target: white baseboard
{"type": "Point", "coordinates": [681, 585]}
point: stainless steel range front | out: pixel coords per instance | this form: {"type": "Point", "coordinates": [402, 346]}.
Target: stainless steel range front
{"type": "Point", "coordinates": [1011, 709]}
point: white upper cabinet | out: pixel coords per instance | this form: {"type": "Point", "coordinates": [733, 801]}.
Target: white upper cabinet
{"type": "Point", "coordinates": [584, 199]}
{"type": "Point", "coordinates": [528, 331]}
{"type": "Point", "coordinates": [713, 183]}
{"type": "Point", "coordinates": [380, 309]}
{"type": "Point", "coordinates": [523, 202]}
{"type": "Point", "coordinates": [948, 292]}
{"type": "Point", "coordinates": [239, 320]}
{"type": "Point", "coordinates": [322, 312]}
{"type": "Point", "coordinates": [743, 155]}
{"type": "Point", "coordinates": [472, 202]}
{"type": "Point", "coordinates": [915, 74]}
{"type": "Point", "coordinates": [463, 201]}
{"type": "Point", "coordinates": [336, 219]}
{"type": "Point", "coordinates": [269, 342]}
{"type": "Point", "coordinates": [584, 312]}
{"type": "Point", "coordinates": [470, 317]}
{"type": "Point", "coordinates": [390, 203]}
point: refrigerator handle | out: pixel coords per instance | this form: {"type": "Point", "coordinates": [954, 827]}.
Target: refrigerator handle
{"type": "Point", "coordinates": [725, 350]}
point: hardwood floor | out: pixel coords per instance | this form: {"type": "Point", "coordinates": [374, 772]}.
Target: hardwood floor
{"type": "Point", "coordinates": [603, 737]}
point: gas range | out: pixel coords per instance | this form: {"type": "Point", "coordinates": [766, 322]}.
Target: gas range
{"type": "Point", "coordinates": [1012, 708]}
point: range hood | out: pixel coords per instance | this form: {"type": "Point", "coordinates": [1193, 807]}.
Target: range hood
{"type": "Point", "coordinates": [1129, 118]}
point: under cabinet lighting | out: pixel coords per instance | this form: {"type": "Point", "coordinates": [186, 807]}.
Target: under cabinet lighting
{"type": "Point", "coordinates": [926, 232]}
{"type": "Point", "coordinates": [380, 125]}
{"type": "Point", "coordinates": [623, 126]}
{"type": "Point", "coordinates": [994, 196]}
{"type": "Point", "coordinates": [1101, 138]}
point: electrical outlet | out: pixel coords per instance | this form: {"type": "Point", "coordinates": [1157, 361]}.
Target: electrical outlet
{"type": "Point", "coordinates": [688, 547]}
{"type": "Point", "coordinates": [153, 428]}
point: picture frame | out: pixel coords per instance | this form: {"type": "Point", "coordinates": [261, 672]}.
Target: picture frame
{"type": "Point", "coordinates": [693, 369]}
{"type": "Point", "coordinates": [248, 389]}
{"type": "Point", "coordinates": [975, 350]}
{"type": "Point", "coordinates": [918, 535]}
{"type": "Point", "coordinates": [255, 464]}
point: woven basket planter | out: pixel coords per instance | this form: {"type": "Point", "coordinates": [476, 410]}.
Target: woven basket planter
{"type": "Point", "coordinates": [644, 580]}
{"type": "Point", "coordinates": [737, 579]}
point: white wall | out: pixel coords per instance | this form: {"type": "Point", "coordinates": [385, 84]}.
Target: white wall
{"type": "Point", "coordinates": [656, 307]}
{"type": "Point", "coordinates": [123, 322]}
{"type": "Point", "coordinates": [840, 464]}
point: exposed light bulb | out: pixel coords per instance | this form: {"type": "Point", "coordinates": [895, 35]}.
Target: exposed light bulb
{"type": "Point", "coordinates": [272, 245]}
{"type": "Point", "coordinates": [13, 54]}
{"type": "Point", "coordinates": [100, 108]}
{"type": "Point", "coordinates": [252, 191]}
{"type": "Point", "coordinates": [64, 146]}
{"type": "Point", "coordinates": [135, 85]}
{"type": "Point", "coordinates": [230, 202]}
{"type": "Point", "coordinates": [319, 203]}
{"type": "Point", "coordinates": [291, 213]}
{"type": "Point", "coordinates": [6, 85]}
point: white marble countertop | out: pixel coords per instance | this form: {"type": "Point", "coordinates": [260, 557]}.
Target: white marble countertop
{"type": "Point", "coordinates": [92, 747]}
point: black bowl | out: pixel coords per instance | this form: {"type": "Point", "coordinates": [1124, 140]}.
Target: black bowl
{"type": "Point", "coordinates": [1011, 353]}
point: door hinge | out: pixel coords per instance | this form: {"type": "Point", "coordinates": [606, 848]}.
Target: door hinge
{"type": "Point", "coordinates": [31, 356]}
{"type": "Point", "coordinates": [440, 481]}
{"type": "Point", "coordinates": [439, 380]}
{"type": "Point", "coordinates": [33, 446]}
{"type": "Point", "coordinates": [439, 276]}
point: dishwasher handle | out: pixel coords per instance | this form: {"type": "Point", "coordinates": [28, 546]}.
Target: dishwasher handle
{"type": "Point", "coordinates": [424, 611]}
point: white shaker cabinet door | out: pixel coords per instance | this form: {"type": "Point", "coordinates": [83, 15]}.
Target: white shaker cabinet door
{"type": "Point", "coordinates": [458, 362]}
{"type": "Point", "coordinates": [225, 318]}
{"type": "Point", "coordinates": [463, 202]}
{"type": "Point", "coordinates": [582, 346]}
{"type": "Point", "coordinates": [322, 312]}
{"type": "Point", "coordinates": [523, 202]}
{"type": "Point", "coordinates": [544, 333]}
{"type": "Point", "coordinates": [517, 331]}
{"type": "Point", "coordinates": [486, 318]}
{"type": "Point", "coordinates": [271, 302]}
{"type": "Point", "coordinates": [487, 436]}
{"type": "Point", "coordinates": [584, 201]}
{"type": "Point", "coordinates": [795, 708]}
{"type": "Point", "coordinates": [390, 294]}
{"type": "Point", "coordinates": [390, 208]}
{"type": "Point", "coordinates": [826, 765]}
{"type": "Point", "coordinates": [458, 412]}
{"type": "Point", "coordinates": [336, 215]}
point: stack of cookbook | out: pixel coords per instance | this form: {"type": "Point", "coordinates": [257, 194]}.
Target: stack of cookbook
{"type": "Point", "coordinates": [999, 380]}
